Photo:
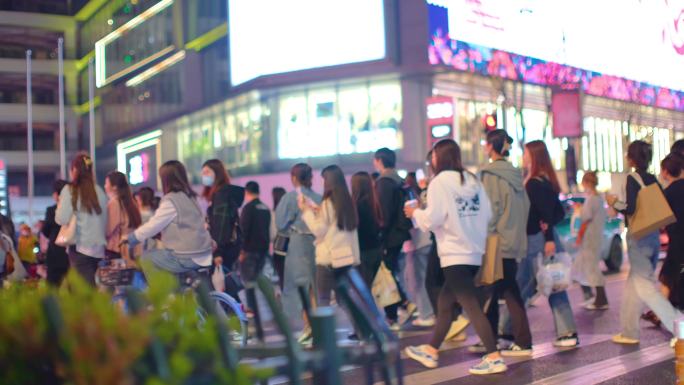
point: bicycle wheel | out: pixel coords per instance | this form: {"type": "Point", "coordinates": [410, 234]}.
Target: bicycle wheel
{"type": "Point", "coordinates": [227, 308]}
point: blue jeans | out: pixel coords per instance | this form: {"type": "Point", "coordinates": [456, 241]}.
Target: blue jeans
{"type": "Point", "coordinates": [564, 320]}
{"type": "Point", "coordinates": [416, 270]}
{"type": "Point", "coordinates": [167, 261]}
{"type": "Point", "coordinates": [640, 287]}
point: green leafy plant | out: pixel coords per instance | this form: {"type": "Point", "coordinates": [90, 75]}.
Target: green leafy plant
{"type": "Point", "coordinates": [77, 335]}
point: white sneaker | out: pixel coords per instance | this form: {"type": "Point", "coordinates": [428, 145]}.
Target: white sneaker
{"type": "Point", "coordinates": [620, 339]}
{"type": "Point", "coordinates": [420, 354]}
{"type": "Point", "coordinates": [516, 351]}
{"type": "Point", "coordinates": [489, 366]}
{"type": "Point", "coordinates": [306, 337]}
{"type": "Point", "coordinates": [569, 341]}
{"type": "Point", "coordinates": [479, 348]}
{"type": "Point", "coordinates": [424, 323]}
{"type": "Point", "coordinates": [457, 327]}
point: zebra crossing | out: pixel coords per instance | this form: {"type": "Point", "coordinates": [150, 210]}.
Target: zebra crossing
{"type": "Point", "coordinates": [596, 361]}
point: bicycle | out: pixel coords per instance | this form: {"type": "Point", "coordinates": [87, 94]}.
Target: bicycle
{"type": "Point", "coordinates": [123, 273]}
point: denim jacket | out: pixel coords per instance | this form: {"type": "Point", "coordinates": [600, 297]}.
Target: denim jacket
{"type": "Point", "coordinates": [288, 217]}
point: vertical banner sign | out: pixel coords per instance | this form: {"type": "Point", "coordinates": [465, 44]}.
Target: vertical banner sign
{"type": "Point", "coordinates": [440, 119]}
{"type": "Point", "coordinates": [4, 194]}
{"type": "Point", "coordinates": [566, 105]}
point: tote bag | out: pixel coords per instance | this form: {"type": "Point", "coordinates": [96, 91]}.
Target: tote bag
{"type": "Point", "coordinates": [652, 210]}
{"type": "Point", "coordinates": [385, 289]}
{"type": "Point", "coordinates": [491, 270]}
{"type": "Point", "coordinates": [67, 234]}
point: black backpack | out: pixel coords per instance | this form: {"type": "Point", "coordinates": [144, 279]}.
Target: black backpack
{"type": "Point", "coordinates": [401, 225]}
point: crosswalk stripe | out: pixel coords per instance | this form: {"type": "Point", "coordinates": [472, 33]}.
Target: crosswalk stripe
{"type": "Point", "coordinates": [459, 370]}
{"type": "Point", "coordinates": [611, 368]}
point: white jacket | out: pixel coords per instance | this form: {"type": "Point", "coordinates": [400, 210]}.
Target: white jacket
{"type": "Point", "coordinates": [458, 214]}
{"type": "Point", "coordinates": [331, 242]}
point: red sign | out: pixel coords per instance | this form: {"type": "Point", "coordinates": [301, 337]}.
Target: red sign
{"type": "Point", "coordinates": [566, 105]}
{"type": "Point", "coordinates": [440, 118]}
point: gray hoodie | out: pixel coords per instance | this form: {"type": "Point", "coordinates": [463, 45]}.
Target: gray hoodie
{"type": "Point", "coordinates": [510, 207]}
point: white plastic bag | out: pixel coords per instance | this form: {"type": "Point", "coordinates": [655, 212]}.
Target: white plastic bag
{"type": "Point", "coordinates": [385, 289]}
{"type": "Point", "coordinates": [218, 279]}
{"type": "Point", "coordinates": [554, 274]}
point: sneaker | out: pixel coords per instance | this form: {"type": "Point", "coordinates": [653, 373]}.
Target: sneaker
{"type": "Point", "coordinates": [593, 306]}
{"type": "Point", "coordinates": [479, 348]}
{"type": "Point", "coordinates": [516, 350]}
{"type": "Point", "coordinates": [394, 325]}
{"type": "Point", "coordinates": [651, 317]}
{"type": "Point", "coordinates": [489, 366]}
{"type": "Point", "coordinates": [424, 323]}
{"type": "Point", "coordinates": [532, 302]}
{"type": "Point", "coordinates": [569, 341]}
{"type": "Point", "coordinates": [588, 301]}
{"type": "Point", "coordinates": [408, 313]}
{"type": "Point", "coordinates": [460, 337]}
{"type": "Point", "coordinates": [457, 327]}
{"type": "Point", "coordinates": [306, 337]}
{"type": "Point", "coordinates": [620, 339]}
{"type": "Point", "coordinates": [420, 354]}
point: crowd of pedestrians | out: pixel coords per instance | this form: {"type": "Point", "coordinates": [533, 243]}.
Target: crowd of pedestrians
{"type": "Point", "coordinates": [431, 232]}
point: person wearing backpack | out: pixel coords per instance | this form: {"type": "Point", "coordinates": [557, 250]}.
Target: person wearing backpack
{"type": "Point", "coordinates": [395, 228]}
{"type": "Point", "coordinates": [643, 253]}
{"type": "Point", "coordinates": [546, 211]}
{"type": "Point", "coordinates": [510, 208]}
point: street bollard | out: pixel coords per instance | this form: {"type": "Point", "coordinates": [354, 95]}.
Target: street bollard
{"type": "Point", "coordinates": [325, 341]}
{"type": "Point", "coordinates": [679, 351]}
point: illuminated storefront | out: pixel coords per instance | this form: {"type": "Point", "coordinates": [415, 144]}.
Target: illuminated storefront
{"type": "Point", "coordinates": [139, 158]}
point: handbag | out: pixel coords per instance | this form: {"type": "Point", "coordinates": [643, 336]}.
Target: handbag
{"type": "Point", "coordinates": [280, 245]}
{"type": "Point", "coordinates": [491, 270]}
{"type": "Point", "coordinates": [218, 280]}
{"type": "Point", "coordinates": [67, 234]}
{"type": "Point", "coordinates": [652, 210]}
{"type": "Point", "coordinates": [385, 290]}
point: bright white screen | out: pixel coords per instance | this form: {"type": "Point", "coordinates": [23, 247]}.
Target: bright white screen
{"type": "Point", "coordinates": [276, 36]}
{"type": "Point", "coordinates": [640, 40]}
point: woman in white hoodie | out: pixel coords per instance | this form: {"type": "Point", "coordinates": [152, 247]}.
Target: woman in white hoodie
{"type": "Point", "coordinates": [458, 212]}
{"type": "Point", "coordinates": [334, 225]}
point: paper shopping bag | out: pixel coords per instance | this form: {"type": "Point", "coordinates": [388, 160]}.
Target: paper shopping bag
{"type": "Point", "coordinates": [491, 269]}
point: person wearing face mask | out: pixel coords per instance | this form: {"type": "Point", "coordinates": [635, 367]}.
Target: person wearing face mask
{"type": "Point", "coordinates": [223, 217]}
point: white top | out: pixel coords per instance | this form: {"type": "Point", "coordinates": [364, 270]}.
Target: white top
{"type": "Point", "coordinates": [334, 247]}
{"type": "Point", "coordinates": [458, 214]}
{"type": "Point", "coordinates": [163, 217]}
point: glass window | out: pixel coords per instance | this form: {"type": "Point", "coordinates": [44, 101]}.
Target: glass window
{"type": "Point", "coordinates": [353, 120]}
{"type": "Point", "coordinates": [293, 126]}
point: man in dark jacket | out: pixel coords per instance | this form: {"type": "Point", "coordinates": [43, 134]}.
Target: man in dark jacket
{"type": "Point", "coordinates": [255, 223]}
{"type": "Point", "coordinates": [510, 209]}
{"type": "Point", "coordinates": [56, 260]}
{"type": "Point", "coordinates": [395, 226]}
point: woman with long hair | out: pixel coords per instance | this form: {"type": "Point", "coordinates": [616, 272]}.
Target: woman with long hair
{"type": "Point", "coordinates": [370, 219]}
{"type": "Point", "coordinates": [300, 259]}
{"type": "Point", "coordinates": [123, 215]}
{"type": "Point", "coordinates": [180, 220]}
{"type": "Point", "coordinates": [224, 201]}
{"type": "Point", "coordinates": [144, 197]}
{"type": "Point", "coordinates": [643, 253]}
{"type": "Point", "coordinates": [458, 213]}
{"type": "Point", "coordinates": [546, 211]}
{"type": "Point", "coordinates": [672, 172]}
{"type": "Point", "coordinates": [86, 200]}
{"type": "Point", "coordinates": [333, 224]}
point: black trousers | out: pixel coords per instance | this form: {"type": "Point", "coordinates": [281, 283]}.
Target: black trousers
{"type": "Point", "coordinates": [459, 288]}
{"type": "Point", "coordinates": [391, 259]}
{"type": "Point", "coordinates": [508, 289]}
{"type": "Point", "coordinates": [85, 265]}
{"type": "Point", "coordinates": [370, 263]}
{"type": "Point", "coordinates": [434, 280]}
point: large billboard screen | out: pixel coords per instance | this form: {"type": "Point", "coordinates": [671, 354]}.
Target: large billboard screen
{"type": "Point", "coordinates": [555, 41]}
{"type": "Point", "coordinates": [275, 36]}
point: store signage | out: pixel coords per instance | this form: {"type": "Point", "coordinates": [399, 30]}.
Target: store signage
{"type": "Point", "coordinates": [566, 106]}
{"type": "Point", "coordinates": [440, 118]}
{"type": "Point", "coordinates": [501, 38]}
{"type": "Point", "coordinates": [138, 169]}
{"type": "Point", "coordinates": [4, 193]}
{"type": "Point", "coordinates": [138, 159]}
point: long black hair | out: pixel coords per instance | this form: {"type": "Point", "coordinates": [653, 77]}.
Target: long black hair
{"type": "Point", "coordinates": [335, 189]}
{"type": "Point", "coordinates": [174, 178]}
{"type": "Point", "coordinates": [125, 197]}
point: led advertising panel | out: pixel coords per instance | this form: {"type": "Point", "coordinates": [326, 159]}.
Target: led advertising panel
{"type": "Point", "coordinates": [138, 159]}
{"type": "Point", "coordinates": [275, 36]}
{"type": "Point", "coordinates": [625, 49]}
{"type": "Point", "coordinates": [4, 194]}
